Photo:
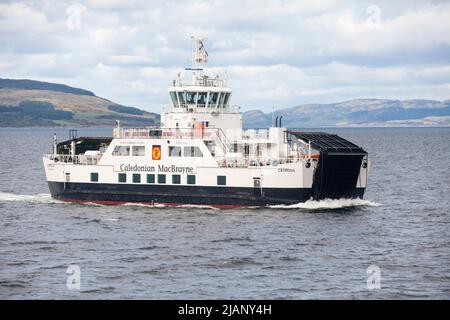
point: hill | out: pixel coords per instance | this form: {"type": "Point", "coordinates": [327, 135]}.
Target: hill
{"type": "Point", "coordinates": [358, 112]}
{"type": "Point", "coordinates": [29, 103]}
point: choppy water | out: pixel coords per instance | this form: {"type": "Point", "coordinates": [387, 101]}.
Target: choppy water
{"type": "Point", "coordinates": [311, 250]}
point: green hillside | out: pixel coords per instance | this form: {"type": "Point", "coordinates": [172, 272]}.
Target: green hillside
{"type": "Point", "coordinates": [29, 103]}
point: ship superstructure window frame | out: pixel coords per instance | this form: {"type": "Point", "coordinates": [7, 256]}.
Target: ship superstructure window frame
{"type": "Point", "coordinates": [212, 99]}
{"type": "Point", "coordinates": [225, 100]}
{"type": "Point", "coordinates": [191, 179]}
{"type": "Point", "coordinates": [173, 96]}
{"type": "Point", "coordinates": [136, 178]}
{"type": "Point", "coordinates": [121, 151]}
{"type": "Point", "coordinates": [191, 97]}
{"type": "Point", "coordinates": [202, 99]}
{"type": "Point", "coordinates": [161, 178]}
{"type": "Point", "coordinates": [176, 179]}
{"type": "Point", "coordinates": [192, 151]}
{"type": "Point", "coordinates": [175, 151]}
{"type": "Point", "coordinates": [182, 98]}
{"type": "Point", "coordinates": [138, 151]}
{"type": "Point", "coordinates": [221, 180]}
{"type": "Point", "coordinates": [122, 178]}
{"type": "Point", "coordinates": [94, 176]}
{"type": "Point", "coordinates": [151, 178]}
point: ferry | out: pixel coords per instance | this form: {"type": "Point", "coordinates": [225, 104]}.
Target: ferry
{"type": "Point", "coordinates": [201, 155]}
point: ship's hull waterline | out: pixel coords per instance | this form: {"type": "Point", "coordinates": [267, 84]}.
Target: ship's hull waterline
{"type": "Point", "coordinates": [220, 197]}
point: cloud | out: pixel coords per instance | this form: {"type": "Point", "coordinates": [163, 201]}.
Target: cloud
{"type": "Point", "coordinates": [280, 53]}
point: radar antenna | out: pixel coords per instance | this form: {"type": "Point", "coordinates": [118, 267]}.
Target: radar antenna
{"type": "Point", "coordinates": [199, 53]}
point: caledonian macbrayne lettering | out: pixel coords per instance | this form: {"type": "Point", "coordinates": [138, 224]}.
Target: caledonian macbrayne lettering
{"type": "Point", "coordinates": [159, 168]}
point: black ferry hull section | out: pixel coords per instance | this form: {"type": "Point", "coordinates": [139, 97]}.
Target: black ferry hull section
{"type": "Point", "coordinates": [170, 194]}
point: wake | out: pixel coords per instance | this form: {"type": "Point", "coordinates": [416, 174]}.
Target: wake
{"type": "Point", "coordinates": [329, 204]}
{"type": "Point", "coordinates": [37, 198]}
{"type": "Point", "coordinates": [309, 205]}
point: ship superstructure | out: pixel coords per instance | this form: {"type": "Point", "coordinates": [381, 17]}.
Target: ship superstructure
{"type": "Point", "coordinates": [201, 155]}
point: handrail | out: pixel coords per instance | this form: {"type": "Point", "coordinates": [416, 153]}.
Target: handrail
{"type": "Point", "coordinates": [80, 159]}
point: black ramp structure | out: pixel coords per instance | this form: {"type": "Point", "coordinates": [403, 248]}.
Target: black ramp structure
{"type": "Point", "coordinates": [338, 168]}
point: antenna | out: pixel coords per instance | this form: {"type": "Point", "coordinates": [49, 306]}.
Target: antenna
{"type": "Point", "coordinates": [199, 53]}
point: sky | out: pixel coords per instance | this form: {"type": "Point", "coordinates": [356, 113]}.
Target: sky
{"type": "Point", "coordinates": [273, 53]}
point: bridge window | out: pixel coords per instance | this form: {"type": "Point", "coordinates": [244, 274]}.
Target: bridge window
{"type": "Point", "coordinates": [201, 101]}
{"type": "Point", "coordinates": [138, 151]}
{"type": "Point", "coordinates": [225, 100]}
{"type": "Point", "coordinates": [121, 151]}
{"type": "Point", "coordinates": [182, 98]}
{"type": "Point", "coordinates": [94, 176]}
{"type": "Point", "coordinates": [173, 95]}
{"type": "Point", "coordinates": [191, 179]}
{"type": "Point", "coordinates": [150, 178]}
{"type": "Point", "coordinates": [136, 178]}
{"type": "Point", "coordinates": [191, 97]}
{"type": "Point", "coordinates": [221, 98]}
{"type": "Point", "coordinates": [174, 151]}
{"type": "Point", "coordinates": [122, 177]}
{"type": "Point", "coordinates": [212, 101]}
{"type": "Point", "coordinates": [176, 179]}
{"type": "Point", "coordinates": [221, 180]}
{"type": "Point", "coordinates": [192, 152]}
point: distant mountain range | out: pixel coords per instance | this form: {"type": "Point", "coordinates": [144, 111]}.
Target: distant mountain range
{"type": "Point", "coordinates": [29, 103]}
{"type": "Point", "coordinates": [358, 112]}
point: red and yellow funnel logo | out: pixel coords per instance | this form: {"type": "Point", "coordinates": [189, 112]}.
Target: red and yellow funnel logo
{"type": "Point", "coordinates": [156, 152]}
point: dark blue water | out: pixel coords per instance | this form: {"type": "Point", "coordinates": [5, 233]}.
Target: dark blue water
{"type": "Point", "coordinates": [313, 250]}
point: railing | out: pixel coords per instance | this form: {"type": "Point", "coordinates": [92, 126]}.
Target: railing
{"type": "Point", "coordinates": [214, 134]}
{"type": "Point", "coordinates": [246, 162]}
{"type": "Point", "coordinates": [202, 108]}
{"type": "Point", "coordinates": [77, 159]}
{"type": "Point", "coordinates": [200, 82]}
{"type": "Point", "coordinates": [256, 134]}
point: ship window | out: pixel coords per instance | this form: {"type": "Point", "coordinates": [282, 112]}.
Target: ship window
{"type": "Point", "coordinates": [201, 101]}
{"type": "Point", "coordinates": [161, 178]}
{"type": "Point", "coordinates": [138, 151]}
{"type": "Point", "coordinates": [122, 177]}
{"type": "Point", "coordinates": [173, 95]}
{"type": "Point", "coordinates": [94, 177]}
{"type": "Point", "coordinates": [213, 99]}
{"type": "Point", "coordinates": [222, 97]}
{"type": "Point", "coordinates": [191, 97]}
{"type": "Point", "coordinates": [121, 151]}
{"type": "Point", "coordinates": [182, 98]}
{"type": "Point", "coordinates": [221, 180]}
{"type": "Point", "coordinates": [174, 151]}
{"type": "Point", "coordinates": [192, 152]}
{"type": "Point", "coordinates": [136, 178]}
{"type": "Point", "coordinates": [150, 178]}
{"type": "Point", "coordinates": [176, 179]}
{"type": "Point", "coordinates": [190, 179]}
{"type": "Point", "coordinates": [225, 100]}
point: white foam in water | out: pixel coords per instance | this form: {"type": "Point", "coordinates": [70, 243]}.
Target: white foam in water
{"type": "Point", "coordinates": [329, 204]}
{"type": "Point", "coordinates": [41, 198]}
{"type": "Point", "coordinates": [162, 205]}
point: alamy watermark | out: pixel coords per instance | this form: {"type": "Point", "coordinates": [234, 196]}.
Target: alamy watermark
{"type": "Point", "coordinates": [73, 281]}
{"type": "Point", "coordinates": [74, 11]}
{"type": "Point", "coordinates": [374, 279]}
{"type": "Point", "coordinates": [373, 20]}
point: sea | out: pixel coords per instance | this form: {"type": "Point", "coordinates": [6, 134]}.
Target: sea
{"type": "Point", "coordinates": [393, 244]}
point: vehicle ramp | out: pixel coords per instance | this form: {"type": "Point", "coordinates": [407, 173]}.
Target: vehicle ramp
{"type": "Point", "coordinates": [338, 167]}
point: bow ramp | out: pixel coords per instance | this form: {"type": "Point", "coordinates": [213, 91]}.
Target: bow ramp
{"type": "Point", "coordinates": [339, 165]}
